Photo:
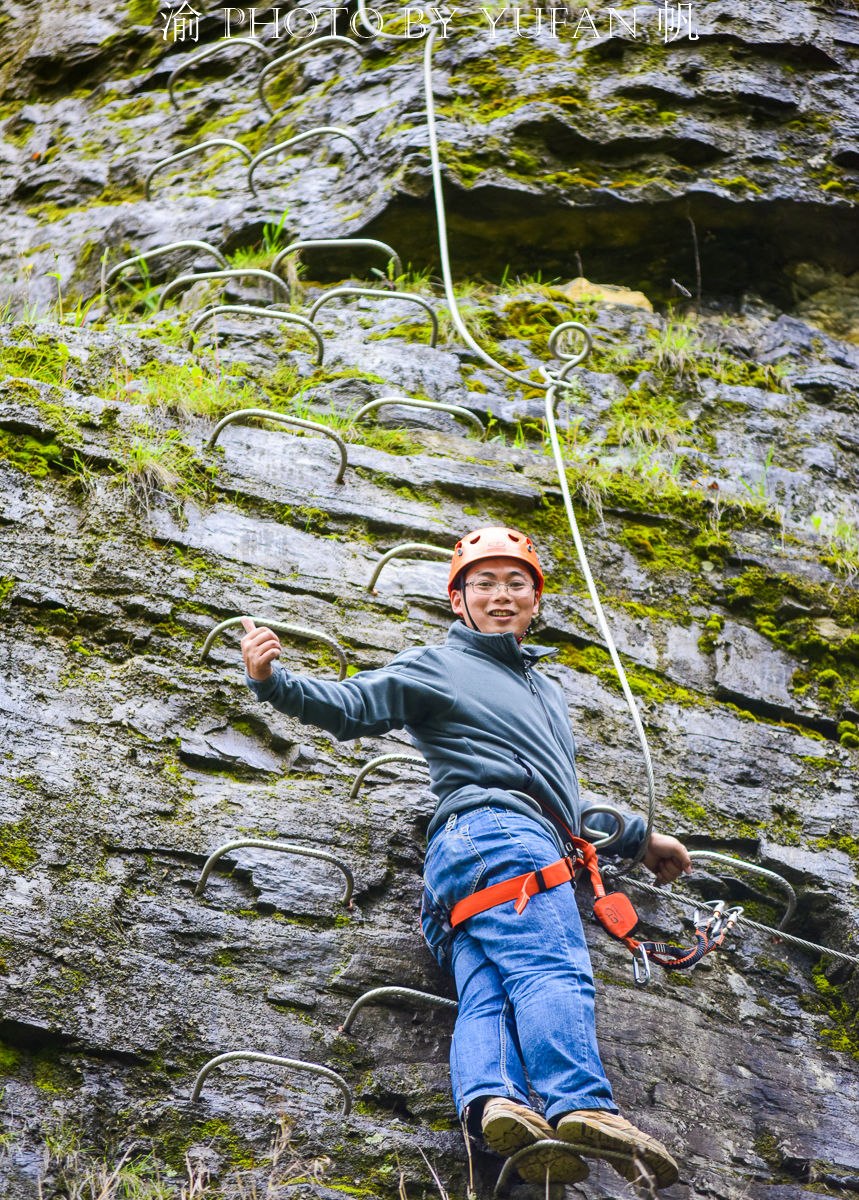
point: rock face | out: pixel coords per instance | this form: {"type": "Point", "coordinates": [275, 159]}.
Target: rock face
{"type": "Point", "coordinates": [713, 456]}
{"type": "Point", "coordinates": [723, 156]}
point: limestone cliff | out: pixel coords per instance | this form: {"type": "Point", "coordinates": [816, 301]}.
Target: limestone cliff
{"type": "Point", "coordinates": [712, 449]}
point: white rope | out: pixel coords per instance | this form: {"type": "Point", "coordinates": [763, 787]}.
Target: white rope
{"type": "Point", "coordinates": [551, 385]}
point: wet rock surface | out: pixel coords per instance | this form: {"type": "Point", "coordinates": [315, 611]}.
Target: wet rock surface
{"type": "Point", "coordinates": [714, 463]}
{"type": "Point", "coordinates": [730, 140]}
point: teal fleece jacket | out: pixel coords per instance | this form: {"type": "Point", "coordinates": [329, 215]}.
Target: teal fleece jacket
{"type": "Point", "coordinates": [477, 711]}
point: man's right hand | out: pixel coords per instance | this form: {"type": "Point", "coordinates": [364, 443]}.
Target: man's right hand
{"type": "Point", "coordinates": [260, 647]}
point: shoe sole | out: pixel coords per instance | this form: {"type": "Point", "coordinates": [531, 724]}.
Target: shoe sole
{"type": "Point", "coordinates": [594, 1139]}
{"type": "Point", "coordinates": [506, 1133]}
{"type": "Point", "coordinates": [563, 1164]}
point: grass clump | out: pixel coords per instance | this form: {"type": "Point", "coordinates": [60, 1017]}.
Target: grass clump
{"type": "Point", "coordinates": [189, 390]}
{"type": "Point", "coordinates": [151, 461]}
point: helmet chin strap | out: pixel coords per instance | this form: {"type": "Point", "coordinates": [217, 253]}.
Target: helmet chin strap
{"type": "Point", "coordinates": [472, 624]}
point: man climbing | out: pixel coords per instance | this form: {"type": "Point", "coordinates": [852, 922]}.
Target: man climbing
{"type": "Point", "coordinates": [497, 738]}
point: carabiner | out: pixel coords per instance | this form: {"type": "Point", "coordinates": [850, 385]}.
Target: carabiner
{"type": "Point", "coordinates": [733, 915]}
{"type": "Point", "coordinates": [641, 970]}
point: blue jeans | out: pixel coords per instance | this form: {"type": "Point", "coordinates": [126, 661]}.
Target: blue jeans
{"type": "Point", "coordinates": [525, 986]}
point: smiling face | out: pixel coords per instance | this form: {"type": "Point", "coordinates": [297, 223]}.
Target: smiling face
{"type": "Point", "coordinates": [493, 608]}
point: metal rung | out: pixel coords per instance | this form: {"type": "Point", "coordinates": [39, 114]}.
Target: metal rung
{"type": "Point", "coordinates": [207, 53]}
{"type": "Point", "coordinates": [316, 44]}
{"type": "Point", "coordinates": [191, 150]}
{"type": "Point", "coordinates": [378, 294]}
{"type": "Point", "coordinates": [333, 130]}
{"type": "Point", "coordinates": [277, 626]}
{"type": "Point", "coordinates": [575, 1148]}
{"type": "Point", "coordinates": [772, 876]}
{"type": "Point", "coordinates": [284, 419]}
{"type": "Point", "coordinates": [282, 848]}
{"type": "Point", "coordinates": [114, 272]}
{"type": "Point", "coordinates": [295, 1064]}
{"type": "Point", "coordinates": [401, 550]}
{"type": "Point", "coordinates": [369, 767]}
{"type": "Point", "coordinates": [271, 312]}
{"type": "Point", "coordinates": [232, 273]}
{"type": "Point", "coordinates": [394, 993]}
{"type": "Point", "coordinates": [408, 401]}
{"type": "Point", "coordinates": [597, 837]}
{"type": "Point", "coordinates": [346, 243]}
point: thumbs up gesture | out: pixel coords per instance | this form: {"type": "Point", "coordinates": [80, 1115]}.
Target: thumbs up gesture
{"type": "Point", "coordinates": [260, 647]}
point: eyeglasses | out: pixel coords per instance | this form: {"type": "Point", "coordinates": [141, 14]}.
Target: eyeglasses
{"type": "Point", "coordinates": [490, 587]}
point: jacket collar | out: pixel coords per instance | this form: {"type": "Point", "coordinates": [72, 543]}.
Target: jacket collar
{"type": "Point", "coordinates": [502, 646]}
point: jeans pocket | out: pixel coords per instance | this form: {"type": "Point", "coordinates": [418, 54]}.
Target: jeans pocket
{"type": "Point", "coordinates": [435, 926]}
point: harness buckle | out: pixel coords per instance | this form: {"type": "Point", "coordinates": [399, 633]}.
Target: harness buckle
{"type": "Point", "coordinates": [640, 969]}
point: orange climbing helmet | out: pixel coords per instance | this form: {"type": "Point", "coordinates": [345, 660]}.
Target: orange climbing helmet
{"type": "Point", "coordinates": [494, 542]}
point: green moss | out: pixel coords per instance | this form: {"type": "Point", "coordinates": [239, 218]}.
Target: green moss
{"type": "Point", "coordinates": [10, 1059]}
{"type": "Point", "coordinates": [49, 1075]}
{"type": "Point", "coordinates": [713, 627]}
{"type": "Point", "coordinates": [767, 1147]}
{"type": "Point", "coordinates": [132, 108]}
{"type": "Point", "coordinates": [143, 12]}
{"type": "Point", "coordinates": [216, 1132]}
{"type": "Point", "coordinates": [738, 184]}
{"type": "Point", "coordinates": [834, 841]}
{"type": "Point", "coordinates": [681, 802]}
{"type": "Point", "coordinates": [29, 454]}
{"type": "Point", "coordinates": [830, 665]}
{"type": "Point", "coordinates": [848, 734]}
{"type": "Point", "coordinates": [642, 682]}
{"type": "Point", "coordinates": [652, 545]}
{"type": "Point", "coordinates": [16, 851]}
{"type": "Point", "coordinates": [842, 1033]}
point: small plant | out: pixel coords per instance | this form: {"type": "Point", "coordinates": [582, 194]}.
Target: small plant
{"type": "Point", "coordinates": [151, 461]}
{"type": "Point", "coordinates": [272, 235]}
{"type": "Point", "coordinates": [675, 349]}
{"type": "Point", "coordinates": [760, 491]}
{"type": "Point", "coordinates": [842, 550]}
{"type": "Point", "coordinates": [135, 297]}
{"type": "Point", "coordinates": [192, 391]}
{"type": "Point", "coordinates": [59, 301]}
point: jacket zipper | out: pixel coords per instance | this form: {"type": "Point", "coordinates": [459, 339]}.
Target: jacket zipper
{"type": "Point", "coordinates": [568, 845]}
{"type": "Point", "coordinates": [527, 672]}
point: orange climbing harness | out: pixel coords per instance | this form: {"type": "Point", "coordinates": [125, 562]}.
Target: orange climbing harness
{"type": "Point", "coordinates": [613, 910]}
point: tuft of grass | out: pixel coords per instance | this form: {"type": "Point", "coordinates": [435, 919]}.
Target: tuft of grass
{"type": "Point", "coordinates": [152, 460]}
{"type": "Point", "coordinates": [189, 390]}
{"type": "Point", "coordinates": [842, 549]}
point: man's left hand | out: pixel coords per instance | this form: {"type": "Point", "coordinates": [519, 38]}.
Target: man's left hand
{"type": "Point", "coordinates": [667, 858]}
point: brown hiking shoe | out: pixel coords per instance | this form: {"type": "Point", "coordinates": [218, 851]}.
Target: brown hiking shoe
{"type": "Point", "coordinates": [594, 1130]}
{"type": "Point", "coordinates": [508, 1126]}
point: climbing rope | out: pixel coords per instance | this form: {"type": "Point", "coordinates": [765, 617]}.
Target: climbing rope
{"type": "Point", "coordinates": [552, 383]}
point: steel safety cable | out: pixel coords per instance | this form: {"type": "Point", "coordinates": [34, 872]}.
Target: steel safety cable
{"type": "Point", "coordinates": [742, 920]}
{"type": "Point", "coordinates": [551, 385]}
